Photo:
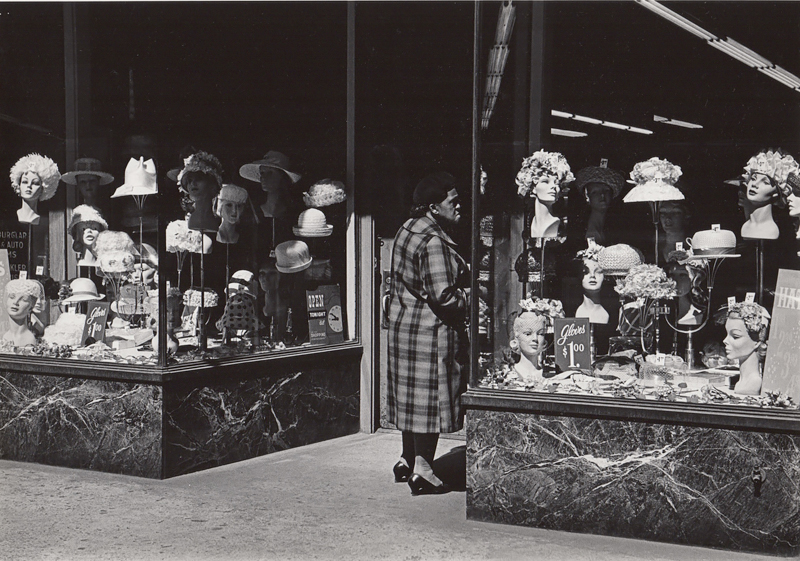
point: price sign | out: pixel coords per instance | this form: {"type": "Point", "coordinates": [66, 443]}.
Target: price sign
{"type": "Point", "coordinates": [95, 327]}
{"type": "Point", "coordinates": [572, 342]}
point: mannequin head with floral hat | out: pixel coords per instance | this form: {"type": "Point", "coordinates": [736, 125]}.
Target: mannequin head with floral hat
{"type": "Point", "coordinates": [541, 178]}
{"type": "Point", "coordinates": [21, 296]}
{"type": "Point", "coordinates": [765, 181]}
{"type": "Point", "coordinates": [201, 177]}
{"type": "Point", "coordinates": [746, 324]}
{"type": "Point", "coordinates": [34, 178]}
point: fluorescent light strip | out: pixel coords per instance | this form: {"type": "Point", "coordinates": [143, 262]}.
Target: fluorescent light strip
{"type": "Point", "coordinates": [749, 52]}
{"type": "Point", "coordinates": [565, 132]}
{"type": "Point", "coordinates": [615, 125]}
{"type": "Point", "coordinates": [728, 46]}
{"type": "Point", "coordinates": [677, 19]}
{"type": "Point", "coordinates": [732, 52]}
{"type": "Point", "coordinates": [589, 120]}
{"type": "Point", "coordinates": [593, 121]}
{"type": "Point", "coordinates": [676, 122]}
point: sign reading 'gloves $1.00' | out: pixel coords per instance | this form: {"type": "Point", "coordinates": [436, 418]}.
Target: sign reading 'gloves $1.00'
{"type": "Point", "coordinates": [572, 341]}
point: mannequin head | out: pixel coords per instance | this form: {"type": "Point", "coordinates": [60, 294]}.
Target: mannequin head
{"type": "Point", "coordinates": [21, 296]}
{"type": "Point", "coordinates": [760, 190]}
{"type": "Point", "coordinates": [746, 325]}
{"type": "Point", "coordinates": [599, 196]}
{"type": "Point", "coordinates": [201, 176]}
{"type": "Point", "coordinates": [547, 188]}
{"type": "Point", "coordinates": [35, 178]}
{"type": "Point", "coordinates": [593, 276]}
{"type": "Point", "coordinates": [200, 186]}
{"type": "Point", "coordinates": [273, 179]}
{"type": "Point", "coordinates": [230, 203]}
{"type": "Point", "coordinates": [672, 217]}
{"type": "Point", "coordinates": [85, 225]}
{"type": "Point", "coordinates": [88, 186]}
{"type": "Point", "coordinates": [529, 331]}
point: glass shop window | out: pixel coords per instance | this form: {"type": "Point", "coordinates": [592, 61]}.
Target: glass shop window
{"type": "Point", "coordinates": [208, 178]}
{"type": "Point", "coordinates": [637, 202]}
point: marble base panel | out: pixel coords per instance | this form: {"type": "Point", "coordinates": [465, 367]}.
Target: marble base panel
{"type": "Point", "coordinates": [231, 420]}
{"type": "Point", "coordinates": [680, 484]}
{"type": "Point", "coordinates": [79, 423]}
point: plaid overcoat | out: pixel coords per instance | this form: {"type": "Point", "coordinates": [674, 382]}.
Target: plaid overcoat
{"type": "Point", "coordinates": [428, 354]}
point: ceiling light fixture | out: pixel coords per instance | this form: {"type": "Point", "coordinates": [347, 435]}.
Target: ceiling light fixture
{"type": "Point", "coordinates": [593, 121]}
{"type": "Point", "coordinates": [565, 132]}
{"type": "Point", "coordinates": [727, 45]}
{"type": "Point", "coordinates": [676, 122]}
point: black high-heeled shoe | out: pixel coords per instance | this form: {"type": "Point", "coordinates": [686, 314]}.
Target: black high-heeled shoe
{"type": "Point", "coordinates": [421, 486]}
{"type": "Point", "coordinates": [401, 472]}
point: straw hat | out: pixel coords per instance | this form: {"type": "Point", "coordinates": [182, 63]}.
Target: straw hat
{"type": "Point", "coordinates": [82, 290]}
{"type": "Point", "coordinates": [273, 159]}
{"type": "Point", "coordinates": [312, 224]}
{"type": "Point", "coordinates": [604, 176]}
{"type": "Point", "coordinates": [87, 166]}
{"type": "Point", "coordinates": [140, 179]}
{"type": "Point", "coordinates": [292, 256]}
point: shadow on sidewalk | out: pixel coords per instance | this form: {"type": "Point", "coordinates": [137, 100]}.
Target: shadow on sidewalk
{"type": "Point", "coordinates": [452, 468]}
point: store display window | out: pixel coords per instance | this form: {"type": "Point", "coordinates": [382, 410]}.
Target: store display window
{"type": "Point", "coordinates": [637, 202]}
{"type": "Point", "coordinates": [187, 199]}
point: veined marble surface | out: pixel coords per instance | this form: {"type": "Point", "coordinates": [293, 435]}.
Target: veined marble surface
{"type": "Point", "coordinates": [90, 424]}
{"type": "Point", "coordinates": [231, 420]}
{"type": "Point", "coordinates": [681, 484]}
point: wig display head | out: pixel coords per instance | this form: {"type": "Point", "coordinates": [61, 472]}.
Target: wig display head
{"type": "Point", "coordinates": [45, 168]}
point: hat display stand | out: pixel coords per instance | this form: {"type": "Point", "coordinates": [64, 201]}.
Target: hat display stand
{"type": "Point", "coordinates": [711, 266]}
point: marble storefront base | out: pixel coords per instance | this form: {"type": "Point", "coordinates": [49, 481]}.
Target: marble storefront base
{"type": "Point", "coordinates": [681, 484]}
{"type": "Point", "coordinates": [100, 425]}
{"type": "Point", "coordinates": [232, 420]}
{"type": "Point", "coordinates": [157, 430]}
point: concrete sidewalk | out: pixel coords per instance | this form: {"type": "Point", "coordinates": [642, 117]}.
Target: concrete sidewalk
{"type": "Point", "coordinates": [335, 500]}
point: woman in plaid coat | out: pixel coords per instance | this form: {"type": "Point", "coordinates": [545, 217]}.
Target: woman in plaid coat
{"type": "Point", "coordinates": [428, 307]}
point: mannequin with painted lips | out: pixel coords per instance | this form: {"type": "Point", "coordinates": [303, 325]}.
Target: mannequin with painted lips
{"type": "Point", "coordinates": [592, 283]}
{"type": "Point", "coordinates": [21, 296]}
{"type": "Point", "coordinates": [545, 224]}
{"type": "Point", "coordinates": [34, 178]}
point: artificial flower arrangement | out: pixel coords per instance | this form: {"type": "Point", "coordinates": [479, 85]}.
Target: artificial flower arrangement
{"type": "Point", "coordinates": [543, 306]}
{"type": "Point", "coordinates": [591, 252]}
{"type": "Point", "coordinates": [539, 164]}
{"type": "Point", "coordinates": [640, 290]}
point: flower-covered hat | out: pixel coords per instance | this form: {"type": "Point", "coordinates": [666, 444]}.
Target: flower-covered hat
{"type": "Point", "coordinates": [86, 213]}
{"type": "Point", "coordinates": [87, 166]}
{"type": "Point", "coordinates": [646, 281]}
{"type": "Point", "coordinates": [777, 166]}
{"type": "Point", "coordinates": [202, 162]}
{"type": "Point", "coordinates": [539, 164]}
{"type": "Point", "coordinates": [116, 252]}
{"type": "Point", "coordinates": [755, 317]}
{"type": "Point", "coordinates": [325, 192]}
{"type": "Point", "coordinates": [181, 238]}
{"type": "Point", "coordinates": [232, 193]}
{"type": "Point", "coordinates": [655, 181]}
{"type": "Point", "coordinates": [44, 167]}
{"type": "Point", "coordinates": [596, 174]}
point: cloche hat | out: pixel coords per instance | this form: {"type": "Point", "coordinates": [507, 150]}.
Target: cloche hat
{"type": "Point", "coordinates": [87, 166]}
{"type": "Point", "coordinates": [292, 256]}
{"type": "Point", "coordinates": [604, 176]}
{"type": "Point", "coordinates": [273, 159]}
{"type": "Point", "coordinates": [86, 213]}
